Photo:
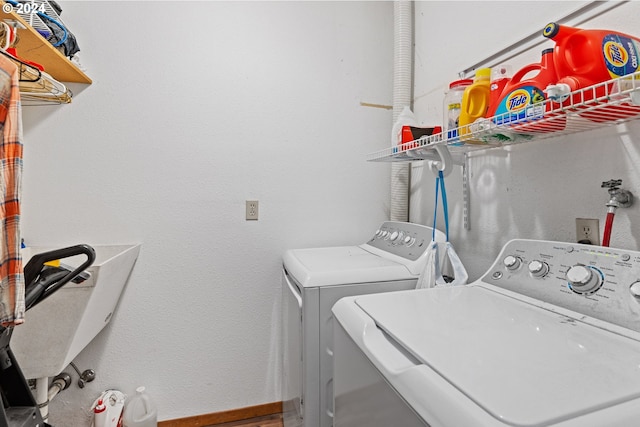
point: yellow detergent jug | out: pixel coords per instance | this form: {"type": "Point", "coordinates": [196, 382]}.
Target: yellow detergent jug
{"type": "Point", "coordinates": [475, 100]}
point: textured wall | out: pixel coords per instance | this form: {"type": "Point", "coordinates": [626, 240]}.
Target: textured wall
{"type": "Point", "coordinates": [534, 190]}
{"type": "Point", "coordinates": [196, 107]}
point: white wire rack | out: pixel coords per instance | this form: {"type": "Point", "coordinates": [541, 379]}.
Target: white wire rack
{"type": "Point", "coordinates": [29, 12]}
{"type": "Point", "coordinates": [605, 104]}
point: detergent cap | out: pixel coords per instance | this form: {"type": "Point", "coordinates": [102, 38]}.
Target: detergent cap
{"type": "Point", "coordinates": [482, 74]}
{"type": "Point", "coordinates": [551, 30]}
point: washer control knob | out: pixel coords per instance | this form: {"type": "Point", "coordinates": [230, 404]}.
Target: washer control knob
{"type": "Point", "coordinates": [538, 268]}
{"type": "Point", "coordinates": [512, 262]}
{"type": "Point", "coordinates": [409, 241]}
{"type": "Point", "coordinates": [394, 236]}
{"type": "Point", "coordinates": [635, 289]}
{"type": "Point", "coordinates": [583, 279]}
{"type": "Point", "coordinates": [378, 233]}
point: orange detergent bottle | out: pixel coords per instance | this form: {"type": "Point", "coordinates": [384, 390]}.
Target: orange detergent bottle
{"type": "Point", "coordinates": [522, 104]}
{"type": "Point", "coordinates": [500, 76]}
{"type": "Point", "coordinates": [475, 100]}
{"type": "Point", "coordinates": [588, 57]}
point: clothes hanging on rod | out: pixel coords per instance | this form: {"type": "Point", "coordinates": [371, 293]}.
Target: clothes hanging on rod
{"type": "Point", "coordinates": [12, 305]}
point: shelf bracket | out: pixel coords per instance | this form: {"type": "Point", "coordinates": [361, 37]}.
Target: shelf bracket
{"type": "Point", "coordinates": [445, 164]}
{"type": "Point", "coordinates": [466, 202]}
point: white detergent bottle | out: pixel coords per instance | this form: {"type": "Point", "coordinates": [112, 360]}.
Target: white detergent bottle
{"type": "Point", "coordinates": [140, 411]}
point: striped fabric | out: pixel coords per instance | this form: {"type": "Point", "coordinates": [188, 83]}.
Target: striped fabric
{"type": "Point", "coordinates": [12, 305]}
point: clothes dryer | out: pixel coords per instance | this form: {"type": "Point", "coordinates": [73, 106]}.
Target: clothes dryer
{"type": "Point", "coordinates": [313, 280]}
{"type": "Point", "coordinates": [549, 336]}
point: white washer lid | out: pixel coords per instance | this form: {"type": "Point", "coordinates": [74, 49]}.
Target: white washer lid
{"type": "Point", "coordinates": [341, 265]}
{"type": "Point", "coordinates": [524, 365]}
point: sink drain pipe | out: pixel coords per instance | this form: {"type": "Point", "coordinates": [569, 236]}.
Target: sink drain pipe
{"type": "Point", "coordinates": [45, 393]}
{"type": "Point", "coordinates": [402, 94]}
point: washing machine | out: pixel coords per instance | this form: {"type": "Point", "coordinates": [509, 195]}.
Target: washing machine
{"type": "Point", "coordinates": [313, 280]}
{"type": "Point", "coordinates": [549, 336]}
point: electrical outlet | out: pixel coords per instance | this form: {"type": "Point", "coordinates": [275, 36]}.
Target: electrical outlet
{"type": "Point", "coordinates": [588, 230]}
{"type": "Point", "coordinates": [251, 210]}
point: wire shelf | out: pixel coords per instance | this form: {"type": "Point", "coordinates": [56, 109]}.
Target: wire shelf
{"type": "Point", "coordinates": [605, 104]}
{"type": "Point", "coordinates": [29, 11]}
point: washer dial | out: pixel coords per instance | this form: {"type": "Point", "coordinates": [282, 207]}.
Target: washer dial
{"type": "Point", "coordinates": [538, 268]}
{"type": "Point", "coordinates": [584, 280]}
{"type": "Point", "coordinates": [635, 289]}
{"type": "Point", "coordinates": [409, 241]}
{"type": "Point", "coordinates": [512, 262]}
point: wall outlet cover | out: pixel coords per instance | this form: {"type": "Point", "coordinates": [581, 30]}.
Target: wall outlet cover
{"type": "Point", "coordinates": [588, 231]}
{"type": "Point", "coordinates": [251, 210]}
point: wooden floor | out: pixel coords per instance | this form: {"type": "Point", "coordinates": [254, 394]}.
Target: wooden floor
{"type": "Point", "coordinates": [266, 421]}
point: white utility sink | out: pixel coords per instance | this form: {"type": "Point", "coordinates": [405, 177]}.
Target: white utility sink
{"type": "Point", "coordinates": [62, 325]}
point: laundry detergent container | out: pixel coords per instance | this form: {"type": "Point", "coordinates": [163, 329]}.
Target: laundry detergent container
{"type": "Point", "coordinates": [62, 325]}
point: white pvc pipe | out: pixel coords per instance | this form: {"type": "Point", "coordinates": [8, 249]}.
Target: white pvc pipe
{"type": "Point", "coordinates": [402, 93]}
{"type": "Point", "coordinates": [42, 396]}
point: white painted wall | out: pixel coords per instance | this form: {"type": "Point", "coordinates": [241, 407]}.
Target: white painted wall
{"type": "Point", "coordinates": [196, 107]}
{"type": "Point", "coordinates": [533, 190]}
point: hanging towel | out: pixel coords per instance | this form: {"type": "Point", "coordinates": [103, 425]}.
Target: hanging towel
{"type": "Point", "coordinates": [12, 306]}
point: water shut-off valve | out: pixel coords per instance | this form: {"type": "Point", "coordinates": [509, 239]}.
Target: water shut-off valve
{"type": "Point", "coordinates": [618, 198]}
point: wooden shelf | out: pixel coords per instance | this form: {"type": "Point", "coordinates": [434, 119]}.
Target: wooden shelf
{"type": "Point", "coordinates": [33, 47]}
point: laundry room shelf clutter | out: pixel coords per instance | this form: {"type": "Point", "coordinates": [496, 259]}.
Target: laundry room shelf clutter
{"type": "Point", "coordinates": [32, 46]}
{"type": "Point", "coordinates": [604, 104]}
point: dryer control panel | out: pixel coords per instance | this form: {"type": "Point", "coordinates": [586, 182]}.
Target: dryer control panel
{"type": "Point", "coordinates": [600, 282]}
{"type": "Point", "coordinates": [404, 239]}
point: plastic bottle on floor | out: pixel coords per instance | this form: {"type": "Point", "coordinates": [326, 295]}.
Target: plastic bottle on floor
{"type": "Point", "coordinates": [140, 411]}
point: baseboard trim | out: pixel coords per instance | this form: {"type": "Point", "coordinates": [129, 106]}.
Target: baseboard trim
{"type": "Point", "coordinates": [225, 416]}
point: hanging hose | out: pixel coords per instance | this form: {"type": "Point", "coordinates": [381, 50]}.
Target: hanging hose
{"type": "Point", "coordinates": [608, 225]}
{"type": "Point", "coordinates": [619, 198]}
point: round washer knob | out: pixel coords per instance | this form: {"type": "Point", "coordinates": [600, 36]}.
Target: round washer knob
{"type": "Point", "coordinates": [635, 289]}
{"type": "Point", "coordinates": [538, 268]}
{"type": "Point", "coordinates": [583, 279]}
{"type": "Point", "coordinates": [409, 241]}
{"type": "Point", "coordinates": [394, 236]}
{"type": "Point", "coordinates": [511, 262]}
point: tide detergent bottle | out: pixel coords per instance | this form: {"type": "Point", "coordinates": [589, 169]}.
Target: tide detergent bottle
{"type": "Point", "coordinates": [588, 57]}
{"type": "Point", "coordinates": [521, 104]}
